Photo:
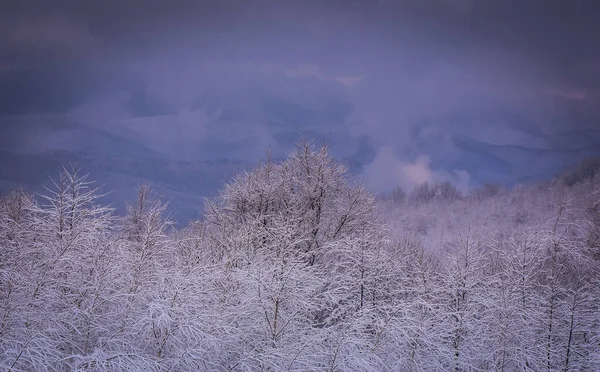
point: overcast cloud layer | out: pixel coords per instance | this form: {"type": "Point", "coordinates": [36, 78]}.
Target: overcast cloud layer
{"type": "Point", "coordinates": [405, 90]}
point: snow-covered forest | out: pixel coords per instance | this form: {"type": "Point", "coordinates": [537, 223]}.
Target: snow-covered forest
{"type": "Point", "coordinates": [296, 266]}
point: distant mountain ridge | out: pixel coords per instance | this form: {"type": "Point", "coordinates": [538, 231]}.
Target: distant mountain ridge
{"type": "Point", "coordinates": [186, 163]}
{"type": "Point", "coordinates": [510, 164]}
{"type": "Point", "coordinates": [184, 184]}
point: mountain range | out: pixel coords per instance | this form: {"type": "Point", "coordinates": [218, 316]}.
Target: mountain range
{"type": "Point", "coordinates": [185, 165]}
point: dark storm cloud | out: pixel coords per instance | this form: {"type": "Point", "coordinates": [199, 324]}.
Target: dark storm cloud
{"type": "Point", "coordinates": [394, 82]}
{"type": "Point", "coordinates": [557, 29]}
{"type": "Point", "coordinates": [48, 89]}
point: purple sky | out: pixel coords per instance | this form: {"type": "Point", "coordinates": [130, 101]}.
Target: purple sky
{"type": "Point", "coordinates": [393, 84]}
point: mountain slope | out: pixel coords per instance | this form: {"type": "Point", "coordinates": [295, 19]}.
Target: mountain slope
{"type": "Point", "coordinates": [185, 184]}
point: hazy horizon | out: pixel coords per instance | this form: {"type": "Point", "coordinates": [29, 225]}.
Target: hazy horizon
{"type": "Point", "coordinates": [404, 91]}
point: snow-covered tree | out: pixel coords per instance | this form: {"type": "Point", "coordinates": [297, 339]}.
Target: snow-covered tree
{"type": "Point", "coordinates": [304, 239]}
{"type": "Point", "coordinates": [296, 267]}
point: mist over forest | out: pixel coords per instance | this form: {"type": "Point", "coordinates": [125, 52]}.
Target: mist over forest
{"type": "Point", "coordinates": [295, 265]}
{"type": "Point", "coordinates": [300, 185]}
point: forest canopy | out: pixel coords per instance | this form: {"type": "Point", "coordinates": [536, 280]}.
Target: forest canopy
{"type": "Point", "coordinates": [297, 266]}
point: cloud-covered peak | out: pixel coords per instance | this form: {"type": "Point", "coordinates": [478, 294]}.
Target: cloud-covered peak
{"type": "Point", "coordinates": [387, 83]}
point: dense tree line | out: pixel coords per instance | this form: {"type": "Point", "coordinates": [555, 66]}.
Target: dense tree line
{"type": "Point", "coordinates": [297, 267]}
